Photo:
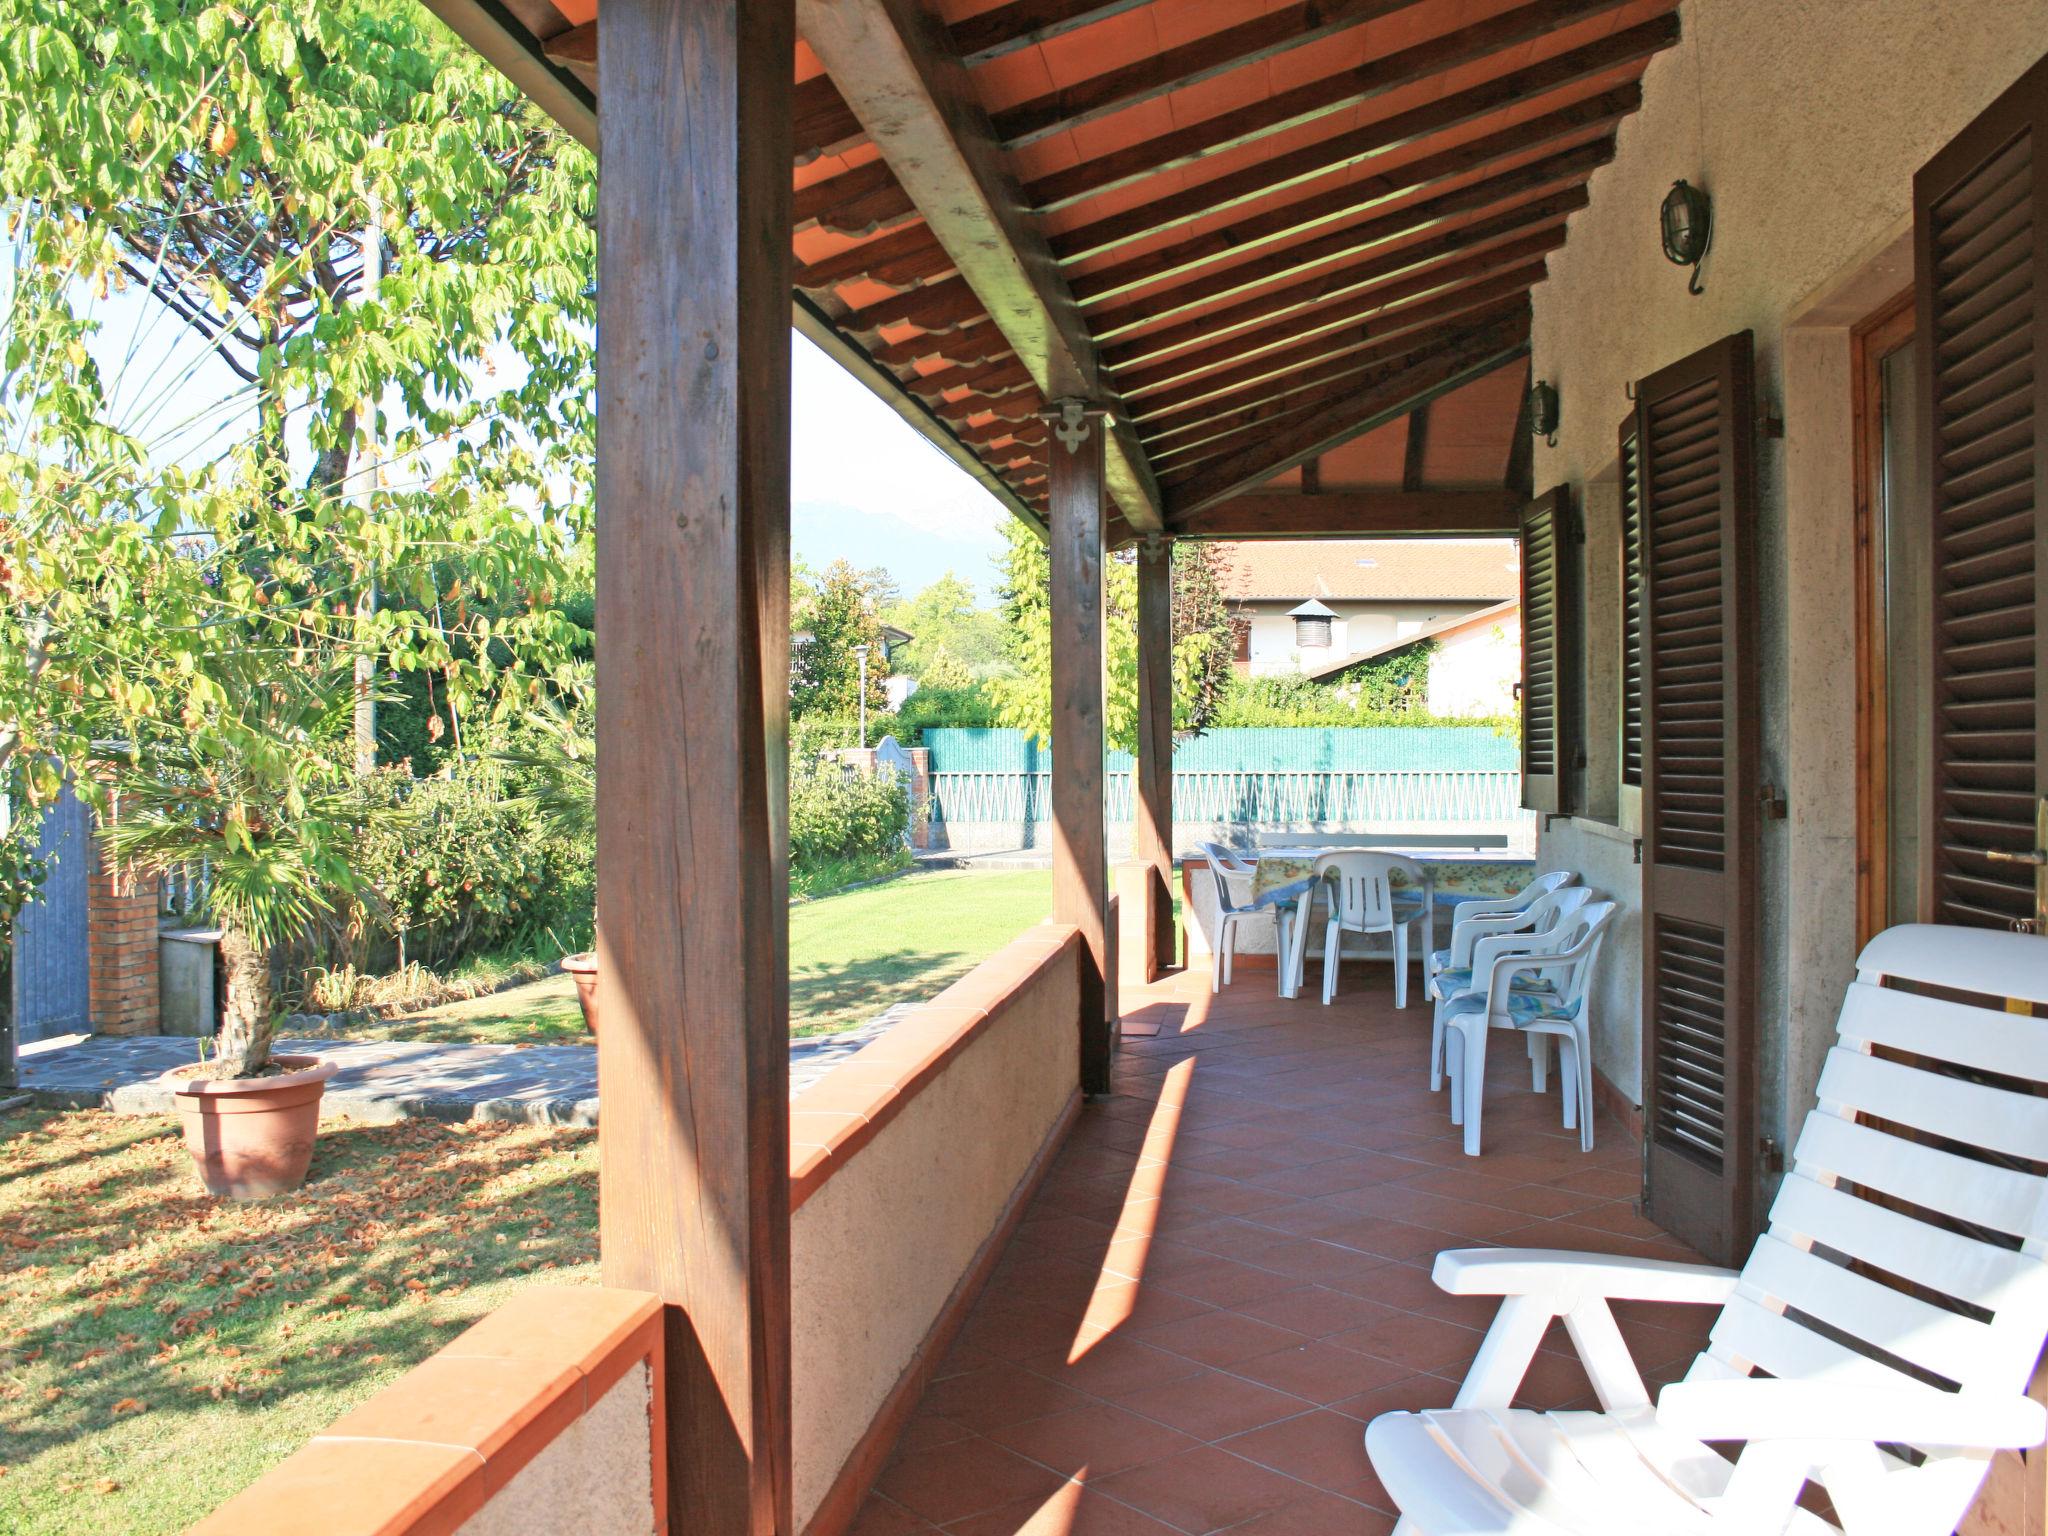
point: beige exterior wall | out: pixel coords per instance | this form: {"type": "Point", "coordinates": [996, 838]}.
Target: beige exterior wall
{"type": "Point", "coordinates": [1806, 120]}
{"type": "Point", "coordinates": [1474, 672]}
{"type": "Point", "coordinates": [595, 1478]}
{"type": "Point", "coordinates": [878, 1250]}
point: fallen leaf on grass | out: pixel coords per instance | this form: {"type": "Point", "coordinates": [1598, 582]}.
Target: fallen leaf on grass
{"type": "Point", "coordinates": [129, 1405]}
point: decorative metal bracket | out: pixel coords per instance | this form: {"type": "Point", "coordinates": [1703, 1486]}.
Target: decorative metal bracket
{"type": "Point", "coordinates": [1070, 422]}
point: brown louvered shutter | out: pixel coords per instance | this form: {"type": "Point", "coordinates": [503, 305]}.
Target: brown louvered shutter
{"type": "Point", "coordinates": [1980, 214]}
{"type": "Point", "coordinates": [1549, 610]}
{"type": "Point", "coordinates": [1695, 437]}
{"type": "Point", "coordinates": [1631, 609]}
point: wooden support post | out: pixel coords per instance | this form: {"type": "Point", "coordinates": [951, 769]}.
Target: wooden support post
{"type": "Point", "coordinates": [1080, 870]}
{"type": "Point", "coordinates": [1152, 802]}
{"type": "Point", "coordinates": [692, 723]}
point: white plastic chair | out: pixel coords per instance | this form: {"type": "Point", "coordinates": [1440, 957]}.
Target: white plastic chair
{"type": "Point", "coordinates": [1541, 916]}
{"type": "Point", "coordinates": [1364, 899]}
{"type": "Point", "coordinates": [1223, 864]}
{"type": "Point", "coordinates": [1878, 1342]}
{"type": "Point", "coordinates": [1538, 985]}
{"type": "Point", "coordinates": [1489, 915]}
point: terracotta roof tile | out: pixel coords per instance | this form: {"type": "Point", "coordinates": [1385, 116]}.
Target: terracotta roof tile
{"type": "Point", "coordinates": [1370, 568]}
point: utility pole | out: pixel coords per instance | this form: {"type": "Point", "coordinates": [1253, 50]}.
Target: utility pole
{"type": "Point", "coordinates": [366, 603]}
{"type": "Point", "coordinates": [861, 652]}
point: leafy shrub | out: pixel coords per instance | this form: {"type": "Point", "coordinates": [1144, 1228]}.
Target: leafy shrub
{"type": "Point", "coordinates": [837, 814]}
{"type": "Point", "coordinates": [1296, 701]}
{"type": "Point", "coordinates": [475, 871]}
{"type": "Point", "coordinates": [932, 708]}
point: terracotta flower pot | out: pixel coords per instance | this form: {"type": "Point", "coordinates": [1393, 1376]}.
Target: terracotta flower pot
{"type": "Point", "coordinates": [252, 1137]}
{"type": "Point", "coordinates": [583, 968]}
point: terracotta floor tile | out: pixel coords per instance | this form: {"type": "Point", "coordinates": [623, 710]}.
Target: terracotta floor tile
{"type": "Point", "coordinates": [1313, 1310]}
{"type": "Point", "coordinates": [1418, 1342]}
{"type": "Point", "coordinates": [1323, 1449]}
{"type": "Point", "coordinates": [998, 1394]}
{"type": "Point", "coordinates": [1321, 1514]}
{"type": "Point", "coordinates": [1214, 1404]}
{"type": "Point", "coordinates": [1235, 1247]}
{"type": "Point", "coordinates": [1219, 1337]}
{"type": "Point", "coordinates": [1319, 1371]}
{"type": "Point", "coordinates": [1112, 1365]}
{"type": "Point", "coordinates": [1094, 1441]}
{"type": "Point", "coordinates": [885, 1517]}
{"type": "Point", "coordinates": [1075, 1510]}
{"type": "Point", "coordinates": [1204, 1489]}
{"type": "Point", "coordinates": [951, 1482]}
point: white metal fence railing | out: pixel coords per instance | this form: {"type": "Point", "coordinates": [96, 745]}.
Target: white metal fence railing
{"type": "Point", "coordinates": [1261, 795]}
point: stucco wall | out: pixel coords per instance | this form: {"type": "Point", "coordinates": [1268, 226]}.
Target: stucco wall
{"type": "Point", "coordinates": [878, 1248]}
{"type": "Point", "coordinates": [1357, 627]}
{"type": "Point", "coordinates": [595, 1477]}
{"type": "Point", "coordinates": [1806, 120]}
{"type": "Point", "coordinates": [1474, 672]}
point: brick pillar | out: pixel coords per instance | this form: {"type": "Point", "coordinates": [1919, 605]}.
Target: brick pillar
{"type": "Point", "coordinates": [121, 928]}
{"type": "Point", "coordinates": [920, 796]}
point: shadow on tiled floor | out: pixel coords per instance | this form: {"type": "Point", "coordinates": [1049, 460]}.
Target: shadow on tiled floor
{"type": "Point", "coordinates": [1226, 1274]}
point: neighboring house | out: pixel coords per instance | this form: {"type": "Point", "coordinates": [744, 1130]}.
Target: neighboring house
{"type": "Point", "coordinates": [1312, 608]}
{"type": "Point", "coordinates": [896, 686]}
{"type": "Point", "coordinates": [1475, 668]}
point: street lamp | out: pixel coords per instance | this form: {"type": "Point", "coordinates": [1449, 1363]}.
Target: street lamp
{"type": "Point", "coordinates": [861, 651]}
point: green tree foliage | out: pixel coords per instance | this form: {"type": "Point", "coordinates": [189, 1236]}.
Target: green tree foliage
{"type": "Point", "coordinates": [838, 610]}
{"type": "Point", "coordinates": [1201, 650]}
{"type": "Point", "coordinates": [953, 641]}
{"type": "Point", "coordinates": [237, 163]}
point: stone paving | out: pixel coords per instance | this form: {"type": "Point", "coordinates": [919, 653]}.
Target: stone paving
{"type": "Point", "coordinates": [384, 1080]}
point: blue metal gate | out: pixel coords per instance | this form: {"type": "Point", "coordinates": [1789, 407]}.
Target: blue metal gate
{"type": "Point", "coordinates": [52, 970]}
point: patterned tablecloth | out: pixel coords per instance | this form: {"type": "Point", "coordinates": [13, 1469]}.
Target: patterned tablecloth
{"type": "Point", "coordinates": [1283, 874]}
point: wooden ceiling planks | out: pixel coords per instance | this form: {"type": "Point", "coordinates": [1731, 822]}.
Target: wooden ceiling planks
{"type": "Point", "coordinates": [1256, 237]}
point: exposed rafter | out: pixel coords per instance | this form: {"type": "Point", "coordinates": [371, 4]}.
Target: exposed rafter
{"type": "Point", "coordinates": [1352, 346]}
{"type": "Point", "coordinates": [1489, 154]}
{"type": "Point", "coordinates": [1467, 239]}
{"type": "Point", "coordinates": [1411, 384]}
{"type": "Point", "coordinates": [913, 98]}
{"type": "Point", "coordinates": [1348, 514]}
{"type": "Point", "coordinates": [1204, 58]}
{"type": "Point", "coordinates": [1416, 449]}
{"type": "Point", "coordinates": [1332, 325]}
{"type": "Point", "coordinates": [1025, 23]}
{"type": "Point", "coordinates": [1336, 93]}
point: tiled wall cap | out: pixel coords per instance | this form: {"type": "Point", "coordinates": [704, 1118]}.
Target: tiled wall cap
{"type": "Point", "coordinates": [424, 1454]}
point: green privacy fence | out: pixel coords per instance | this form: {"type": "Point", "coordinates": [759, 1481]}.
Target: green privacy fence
{"type": "Point", "coordinates": [1367, 774]}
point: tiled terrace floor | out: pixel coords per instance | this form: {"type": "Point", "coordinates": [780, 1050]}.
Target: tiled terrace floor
{"type": "Point", "coordinates": [1226, 1274]}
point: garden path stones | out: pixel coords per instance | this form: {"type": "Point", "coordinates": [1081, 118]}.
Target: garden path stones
{"type": "Point", "coordinates": [384, 1080]}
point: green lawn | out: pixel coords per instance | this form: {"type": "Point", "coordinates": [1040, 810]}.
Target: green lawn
{"type": "Point", "coordinates": [851, 955]}
{"type": "Point", "coordinates": [160, 1349]}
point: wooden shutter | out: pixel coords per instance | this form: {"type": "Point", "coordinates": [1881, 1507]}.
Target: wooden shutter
{"type": "Point", "coordinates": [1980, 215]}
{"type": "Point", "coordinates": [1695, 429]}
{"type": "Point", "coordinates": [1631, 610]}
{"type": "Point", "coordinates": [1549, 614]}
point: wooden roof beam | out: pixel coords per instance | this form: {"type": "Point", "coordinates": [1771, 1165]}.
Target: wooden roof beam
{"type": "Point", "coordinates": [1026, 23]}
{"type": "Point", "coordinates": [1296, 364]}
{"type": "Point", "coordinates": [1259, 406]}
{"type": "Point", "coordinates": [1204, 58]}
{"type": "Point", "coordinates": [913, 98]}
{"type": "Point", "coordinates": [856, 202]}
{"type": "Point", "coordinates": [1358, 309]}
{"type": "Point", "coordinates": [1558, 173]}
{"type": "Point", "coordinates": [1350, 514]}
{"type": "Point", "coordinates": [1279, 303]}
{"type": "Point", "coordinates": [1563, 128]}
{"type": "Point", "coordinates": [1364, 144]}
{"type": "Point", "coordinates": [1320, 98]}
{"type": "Point", "coordinates": [1317, 432]}
{"type": "Point", "coordinates": [1416, 449]}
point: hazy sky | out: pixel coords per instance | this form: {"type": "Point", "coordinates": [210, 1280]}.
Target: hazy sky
{"type": "Point", "coordinates": [863, 484]}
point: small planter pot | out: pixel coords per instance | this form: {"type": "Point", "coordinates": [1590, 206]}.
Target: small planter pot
{"type": "Point", "coordinates": [252, 1137]}
{"type": "Point", "coordinates": [583, 968]}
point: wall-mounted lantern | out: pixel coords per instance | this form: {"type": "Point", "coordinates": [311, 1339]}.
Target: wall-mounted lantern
{"type": "Point", "coordinates": [1687, 223]}
{"type": "Point", "coordinates": [1543, 412]}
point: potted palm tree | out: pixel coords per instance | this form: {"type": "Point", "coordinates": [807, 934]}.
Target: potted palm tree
{"type": "Point", "coordinates": [261, 799]}
{"type": "Point", "coordinates": [556, 762]}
